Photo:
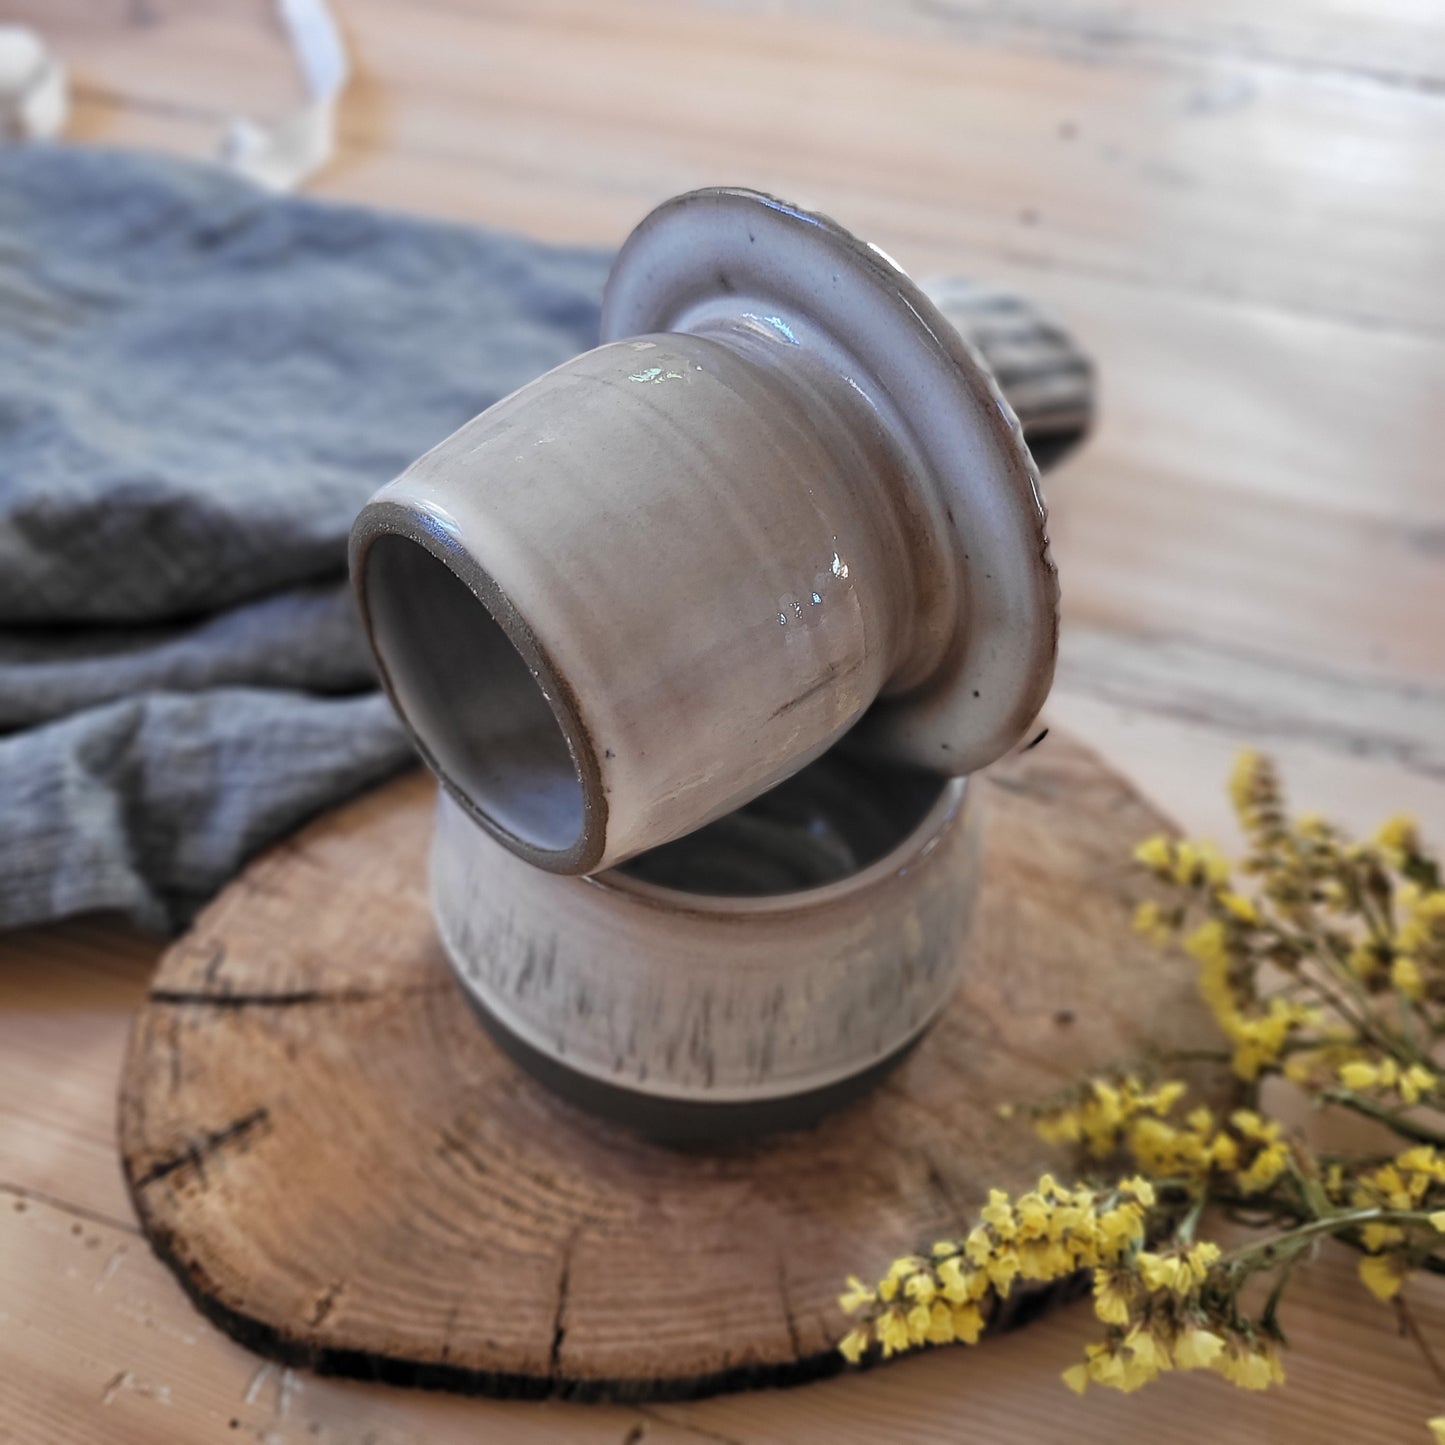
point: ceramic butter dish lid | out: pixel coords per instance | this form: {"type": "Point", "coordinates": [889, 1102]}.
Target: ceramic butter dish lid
{"type": "Point", "coordinates": [782, 500]}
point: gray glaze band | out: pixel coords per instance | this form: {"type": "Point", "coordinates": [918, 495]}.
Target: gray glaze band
{"type": "Point", "coordinates": [698, 1001]}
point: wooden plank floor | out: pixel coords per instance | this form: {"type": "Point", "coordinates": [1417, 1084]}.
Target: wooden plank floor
{"type": "Point", "coordinates": [1239, 205]}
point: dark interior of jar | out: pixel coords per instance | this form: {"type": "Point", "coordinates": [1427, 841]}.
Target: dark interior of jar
{"type": "Point", "coordinates": [836, 817]}
{"type": "Point", "coordinates": [469, 696]}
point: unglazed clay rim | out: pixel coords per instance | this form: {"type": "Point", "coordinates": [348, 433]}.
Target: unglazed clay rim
{"type": "Point", "coordinates": [391, 519]}
{"type": "Point", "coordinates": [657, 280]}
{"type": "Point", "coordinates": [945, 815]}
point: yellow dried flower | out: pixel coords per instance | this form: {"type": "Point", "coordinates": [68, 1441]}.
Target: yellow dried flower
{"type": "Point", "coordinates": [1269, 1153]}
{"type": "Point", "coordinates": [1125, 1362]}
{"type": "Point", "coordinates": [1330, 971]}
{"type": "Point", "coordinates": [1370, 959]}
{"type": "Point", "coordinates": [1209, 943]}
{"type": "Point", "coordinates": [1268, 1165]}
{"type": "Point", "coordinates": [1111, 1296]}
{"type": "Point", "coordinates": [1376, 1237]}
{"type": "Point", "coordinates": [1152, 923]}
{"type": "Point", "coordinates": [1422, 929]}
{"type": "Point", "coordinates": [1244, 780]}
{"type": "Point", "coordinates": [1100, 1113]}
{"type": "Point", "coordinates": [1212, 864]}
{"type": "Point", "coordinates": [1254, 791]}
{"type": "Point", "coordinates": [998, 1214]}
{"type": "Point", "coordinates": [1238, 907]}
{"type": "Point", "coordinates": [1194, 865]}
{"type": "Point", "coordinates": [1157, 855]}
{"type": "Point", "coordinates": [1260, 1040]}
{"type": "Point", "coordinates": [1383, 1274]}
{"type": "Point", "coordinates": [1415, 1082]}
{"type": "Point", "coordinates": [1411, 1083]}
{"type": "Point", "coordinates": [1405, 975]}
{"type": "Point", "coordinates": [1178, 1272]}
{"type": "Point", "coordinates": [953, 1280]}
{"type": "Point", "coordinates": [1196, 1349]}
{"type": "Point", "coordinates": [1138, 1189]}
{"type": "Point", "coordinates": [1120, 1229]}
{"type": "Point", "coordinates": [1201, 1257]}
{"type": "Point", "coordinates": [1002, 1270]}
{"type": "Point", "coordinates": [1424, 1161]}
{"type": "Point", "coordinates": [967, 1323]}
{"type": "Point", "coordinates": [1400, 834]}
{"type": "Point", "coordinates": [892, 1332]}
{"type": "Point", "coordinates": [1164, 1272]}
{"type": "Point", "coordinates": [1359, 1075]}
{"type": "Point", "coordinates": [1254, 1368]}
{"type": "Point", "coordinates": [920, 1287]}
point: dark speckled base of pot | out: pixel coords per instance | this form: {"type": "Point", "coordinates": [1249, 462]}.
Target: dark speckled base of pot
{"type": "Point", "coordinates": [681, 1122]}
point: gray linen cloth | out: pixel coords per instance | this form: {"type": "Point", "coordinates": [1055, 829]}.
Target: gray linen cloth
{"type": "Point", "coordinates": [199, 386]}
{"type": "Point", "coordinates": [200, 383]}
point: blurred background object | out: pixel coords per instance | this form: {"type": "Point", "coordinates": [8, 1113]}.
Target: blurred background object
{"type": "Point", "coordinates": [287, 152]}
{"type": "Point", "coordinates": [34, 90]}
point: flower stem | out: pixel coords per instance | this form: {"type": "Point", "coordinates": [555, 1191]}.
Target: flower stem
{"type": "Point", "coordinates": [1410, 1326]}
{"type": "Point", "coordinates": [1292, 1240]}
{"type": "Point", "coordinates": [1394, 1118]}
{"type": "Point", "coordinates": [1187, 1225]}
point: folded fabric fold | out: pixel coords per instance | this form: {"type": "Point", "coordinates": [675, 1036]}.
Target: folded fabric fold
{"type": "Point", "coordinates": [200, 383]}
{"type": "Point", "coordinates": [146, 805]}
{"type": "Point", "coordinates": [304, 640]}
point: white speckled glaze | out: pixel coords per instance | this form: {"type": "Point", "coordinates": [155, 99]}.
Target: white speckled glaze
{"type": "Point", "coordinates": [679, 567]}
{"type": "Point", "coordinates": [704, 1001]}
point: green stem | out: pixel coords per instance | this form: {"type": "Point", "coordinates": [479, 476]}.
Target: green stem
{"type": "Point", "coordinates": [1378, 923]}
{"type": "Point", "coordinates": [1311, 1190]}
{"type": "Point", "coordinates": [1410, 1326]}
{"type": "Point", "coordinates": [1408, 1030]}
{"type": "Point", "coordinates": [1337, 972]}
{"type": "Point", "coordinates": [1187, 1225]}
{"type": "Point", "coordinates": [1322, 947]}
{"type": "Point", "coordinates": [1269, 1315]}
{"type": "Point", "coordinates": [1394, 1118]}
{"type": "Point", "coordinates": [1361, 1022]}
{"type": "Point", "coordinates": [1294, 1239]}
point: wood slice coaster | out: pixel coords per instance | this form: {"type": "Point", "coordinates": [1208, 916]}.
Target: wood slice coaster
{"type": "Point", "coordinates": [346, 1174]}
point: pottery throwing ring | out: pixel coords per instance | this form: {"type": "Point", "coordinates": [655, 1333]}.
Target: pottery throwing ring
{"type": "Point", "coordinates": [728, 258]}
{"type": "Point", "coordinates": [783, 496]}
